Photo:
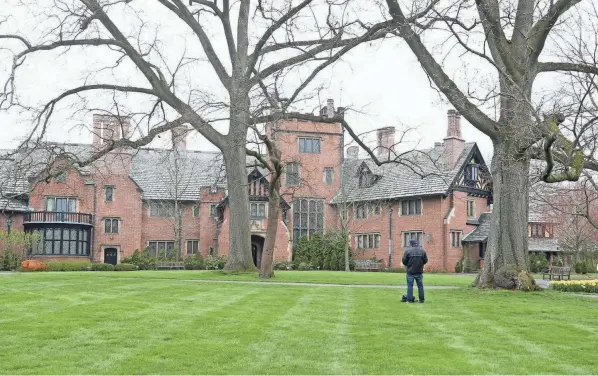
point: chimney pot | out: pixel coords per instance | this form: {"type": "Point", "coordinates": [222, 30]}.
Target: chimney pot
{"type": "Point", "coordinates": [386, 143]}
{"type": "Point", "coordinates": [352, 152]}
{"type": "Point", "coordinates": [179, 137]}
{"type": "Point", "coordinates": [330, 108]}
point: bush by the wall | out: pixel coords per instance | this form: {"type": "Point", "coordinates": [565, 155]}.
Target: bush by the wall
{"type": "Point", "coordinates": [69, 266]}
{"type": "Point", "coordinates": [285, 265]}
{"type": "Point", "coordinates": [538, 262]}
{"type": "Point", "coordinates": [395, 270]}
{"type": "Point", "coordinates": [125, 267]}
{"type": "Point", "coordinates": [215, 262]}
{"type": "Point", "coordinates": [195, 262]}
{"type": "Point", "coordinates": [102, 267]}
{"type": "Point", "coordinates": [587, 286]}
{"type": "Point", "coordinates": [584, 267]}
{"type": "Point", "coordinates": [322, 251]}
{"type": "Point", "coordinates": [142, 260]}
{"type": "Point", "coordinates": [9, 260]}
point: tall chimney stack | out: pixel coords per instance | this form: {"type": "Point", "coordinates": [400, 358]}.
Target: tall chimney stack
{"type": "Point", "coordinates": [179, 138]}
{"type": "Point", "coordinates": [453, 142]}
{"type": "Point", "coordinates": [386, 143]}
{"type": "Point", "coordinates": [352, 152]}
{"type": "Point", "coordinates": [109, 128]}
{"type": "Point", "coordinates": [330, 108]}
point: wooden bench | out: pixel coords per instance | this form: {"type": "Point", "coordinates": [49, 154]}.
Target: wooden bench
{"type": "Point", "coordinates": [368, 265]}
{"type": "Point", "coordinates": [170, 265]}
{"type": "Point", "coordinates": [559, 272]}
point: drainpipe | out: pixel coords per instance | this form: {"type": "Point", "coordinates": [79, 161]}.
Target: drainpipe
{"type": "Point", "coordinates": [94, 218]}
{"type": "Point", "coordinates": [445, 229]}
{"type": "Point", "coordinates": [390, 237]}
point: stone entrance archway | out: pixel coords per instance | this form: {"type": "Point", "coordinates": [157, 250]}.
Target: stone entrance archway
{"type": "Point", "coordinates": [257, 246]}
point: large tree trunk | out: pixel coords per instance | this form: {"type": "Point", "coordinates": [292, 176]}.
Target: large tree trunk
{"type": "Point", "coordinates": [506, 261]}
{"type": "Point", "coordinates": [266, 267]}
{"type": "Point", "coordinates": [239, 253]}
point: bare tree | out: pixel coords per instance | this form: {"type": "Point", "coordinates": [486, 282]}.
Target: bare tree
{"type": "Point", "coordinates": [289, 36]}
{"type": "Point", "coordinates": [514, 39]}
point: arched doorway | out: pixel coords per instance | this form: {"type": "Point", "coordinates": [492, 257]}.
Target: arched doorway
{"type": "Point", "coordinates": [257, 246]}
{"type": "Point", "coordinates": [110, 256]}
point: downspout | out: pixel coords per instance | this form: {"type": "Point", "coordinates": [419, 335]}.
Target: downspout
{"type": "Point", "coordinates": [94, 218]}
{"type": "Point", "coordinates": [445, 229]}
{"type": "Point", "coordinates": [390, 237]}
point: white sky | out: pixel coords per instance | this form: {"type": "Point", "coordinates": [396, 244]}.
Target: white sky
{"type": "Point", "coordinates": [383, 81]}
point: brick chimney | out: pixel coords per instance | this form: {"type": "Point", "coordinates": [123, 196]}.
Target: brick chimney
{"type": "Point", "coordinates": [179, 138]}
{"type": "Point", "coordinates": [453, 143]}
{"type": "Point", "coordinates": [352, 152]}
{"type": "Point", "coordinates": [108, 128]}
{"type": "Point", "coordinates": [328, 110]}
{"type": "Point", "coordinates": [386, 143]}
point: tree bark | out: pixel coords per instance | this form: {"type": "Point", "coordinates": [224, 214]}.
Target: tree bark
{"type": "Point", "coordinates": [346, 238]}
{"type": "Point", "coordinates": [266, 267]}
{"type": "Point", "coordinates": [239, 253]}
{"type": "Point", "coordinates": [506, 261]}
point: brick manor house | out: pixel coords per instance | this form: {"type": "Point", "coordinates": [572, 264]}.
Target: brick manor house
{"type": "Point", "coordinates": [137, 199]}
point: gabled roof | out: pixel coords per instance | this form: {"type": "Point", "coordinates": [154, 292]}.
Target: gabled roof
{"type": "Point", "coordinates": [542, 245]}
{"type": "Point", "coordinates": [420, 173]}
{"type": "Point", "coordinates": [480, 233]}
{"type": "Point", "coordinates": [159, 173]}
{"type": "Point", "coordinates": [165, 175]}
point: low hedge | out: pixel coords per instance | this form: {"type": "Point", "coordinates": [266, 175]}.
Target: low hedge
{"type": "Point", "coordinates": [582, 285]}
{"type": "Point", "coordinates": [102, 267]}
{"type": "Point", "coordinates": [69, 266]}
{"type": "Point", "coordinates": [125, 267]}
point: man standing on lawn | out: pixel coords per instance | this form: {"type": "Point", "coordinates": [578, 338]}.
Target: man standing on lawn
{"type": "Point", "coordinates": [414, 260]}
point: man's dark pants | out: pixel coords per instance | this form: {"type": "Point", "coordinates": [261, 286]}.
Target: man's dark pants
{"type": "Point", "coordinates": [419, 278]}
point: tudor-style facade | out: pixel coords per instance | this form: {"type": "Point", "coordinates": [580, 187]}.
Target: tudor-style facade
{"type": "Point", "coordinates": [128, 200]}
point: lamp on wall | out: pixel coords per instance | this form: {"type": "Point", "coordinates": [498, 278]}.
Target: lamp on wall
{"type": "Point", "coordinates": [8, 224]}
{"type": "Point", "coordinates": [429, 238]}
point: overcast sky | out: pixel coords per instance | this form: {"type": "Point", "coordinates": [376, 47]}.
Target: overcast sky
{"type": "Point", "coordinates": [384, 82]}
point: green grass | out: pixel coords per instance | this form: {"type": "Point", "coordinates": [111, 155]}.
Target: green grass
{"type": "Point", "coordinates": [102, 323]}
{"type": "Point", "coordinates": [326, 277]}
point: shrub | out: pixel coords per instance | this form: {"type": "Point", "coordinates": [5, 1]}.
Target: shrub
{"type": "Point", "coordinates": [9, 261]}
{"type": "Point", "coordinates": [124, 267]}
{"type": "Point", "coordinates": [102, 267]}
{"type": "Point", "coordinates": [587, 285]}
{"type": "Point", "coordinates": [584, 267]}
{"type": "Point", "coordinates": [68, 266]}
{"type": "Point", "coordinates": [195, 262]}
{"type": "Point", "coordinates": [285, 265]}
{"type": "Point", "coordinates": [538, 263]}
{"type": "Point", "coordinates": [395, 270]}
{"type": "Point", "coordinates": [215, 262]}
{"type": "Point", "coordinates": [322, 251]}
{"type": "Point", "coordinates": [142, 260]}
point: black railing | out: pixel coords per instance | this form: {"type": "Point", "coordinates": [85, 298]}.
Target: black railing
{"type": "Point", "coordinates": [60, 217]}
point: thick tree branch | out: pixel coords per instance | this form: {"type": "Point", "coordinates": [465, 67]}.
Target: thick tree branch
{"type": "Point", "coordinates": [470, 111]}
{"type": "Point", "coordinates": [539, 32]}
{"type": "Point", "coordinates": [567, 67]}
{"type": "Point", "coordinates": [186, 16]}
{"type": "Point", "coordinates": [275, 26]}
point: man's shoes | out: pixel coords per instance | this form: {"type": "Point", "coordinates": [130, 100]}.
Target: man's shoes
{"type": "Point", "coordinates": [404, 299]}
{"type": "Point", "coordinates": [421, 301]}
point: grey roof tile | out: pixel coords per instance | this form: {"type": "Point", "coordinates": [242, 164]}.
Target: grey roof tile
{"type": "Point", "coordinates": [542, 245]}
{"type": "Point", "coordinates": [420, 173]}
{"type": "Point", "coordinates": [480, 233]}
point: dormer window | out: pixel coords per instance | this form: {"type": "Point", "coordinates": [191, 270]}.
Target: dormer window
{"type": "Point", "coordinates": [366, 179]}
{"type": "Point", "coordinates": [472, 170]}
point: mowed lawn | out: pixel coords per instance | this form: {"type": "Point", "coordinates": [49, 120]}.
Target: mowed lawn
{"type": "Point", "coordinates": [325, 277]}
{"type": "Point", "coordinates": [98, 323]}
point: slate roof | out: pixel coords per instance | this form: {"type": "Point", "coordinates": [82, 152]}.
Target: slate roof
{"type": "Point", "coordinates": [542, 245]}
{"type": "Point", "coordinates": [480, 233]}
{"type": "Point", "coordinates": [161, 175]}
{"type": "Point", "coordinates": [421, 174]}
{"type": "Point", "coordinates": [154, 171]}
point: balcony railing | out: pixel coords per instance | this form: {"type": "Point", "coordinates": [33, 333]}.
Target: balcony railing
{"type": "Point", "coordinates": [57, 217]}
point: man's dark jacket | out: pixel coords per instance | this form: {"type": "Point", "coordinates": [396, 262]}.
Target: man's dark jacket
{"type": "Point", "coordinates": [414, 259]}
